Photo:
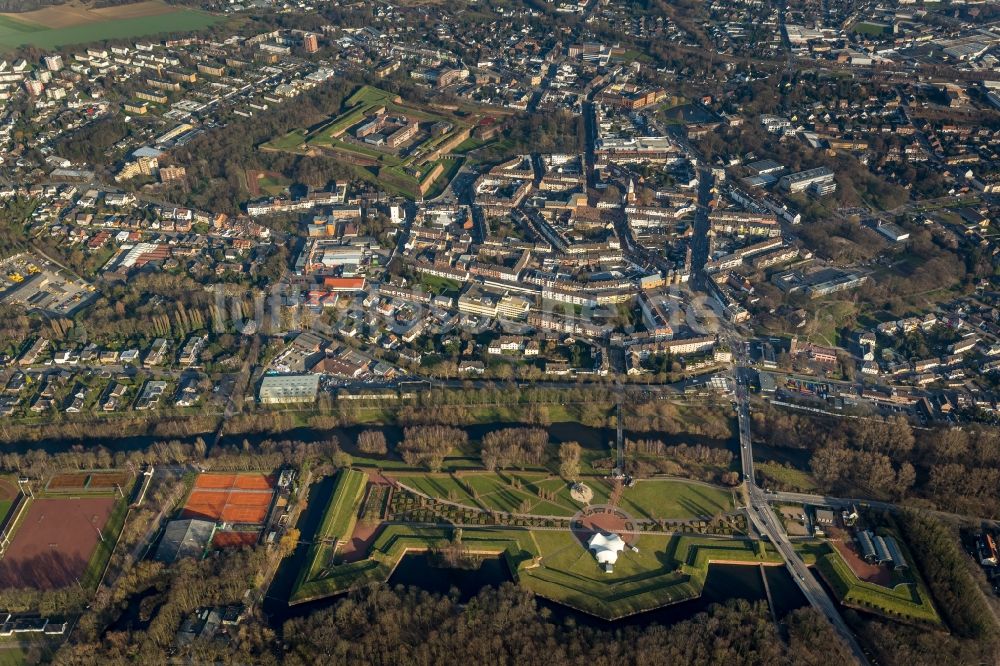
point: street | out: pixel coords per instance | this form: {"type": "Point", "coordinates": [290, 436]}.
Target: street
{"type": "Point", "coordinates": [759, 509]}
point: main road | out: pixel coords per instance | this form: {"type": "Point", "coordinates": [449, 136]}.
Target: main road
{"type": "Point", "coordinates": [759, 509]}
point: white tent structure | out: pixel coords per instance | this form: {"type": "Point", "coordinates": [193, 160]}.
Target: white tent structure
{"type": "Point", "coordinates": [606, 549]}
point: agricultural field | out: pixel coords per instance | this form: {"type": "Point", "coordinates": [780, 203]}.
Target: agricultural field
{"type": "Point", "coordinates": [75, 23]}
{"type": "Point", "coordinates": [418, 167]}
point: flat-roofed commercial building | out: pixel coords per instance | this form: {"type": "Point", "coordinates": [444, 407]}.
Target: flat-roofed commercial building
{"type": "Point", "coordinates": [801, 181]}
{"type": "Point", "coordinates": [277, 389]}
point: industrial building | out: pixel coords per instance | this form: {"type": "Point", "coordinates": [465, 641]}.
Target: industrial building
{"type": "Point", "coordinates": [278, 389]}
{"type": "Point", "coordinates": [819, 179]}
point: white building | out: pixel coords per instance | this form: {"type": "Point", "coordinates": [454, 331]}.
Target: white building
{"type": "Point", "coordinates": [606, 549]}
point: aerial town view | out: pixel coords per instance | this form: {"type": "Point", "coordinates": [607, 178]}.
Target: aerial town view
{"type": "Point", "coordinates": [500, 332]}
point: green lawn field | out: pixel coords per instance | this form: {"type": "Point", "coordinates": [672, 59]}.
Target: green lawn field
{"type": "Point", "coordinates": [674, 499]}
{"type": "Point", "coordinates": [273, 186]}
{"type": "Point", "coordinates": [16, 32]}
{"type": "Point", "coordinates": [339, 518]}
{"type": "Point", "coordinates": [105, 547]}
{"type": "Point", "coordinates": [554, 564]}
{"type": "Point", "coordinates": [651, 499]}
{"type": "Point", "coordinates": [438, 285]}
{"type": "Point", "coordinates": [290, 142]}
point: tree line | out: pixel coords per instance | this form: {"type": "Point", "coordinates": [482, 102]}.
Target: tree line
{"type": "Point", "coordinates": [506, 626]}
{"type": "Point", "coordinates": [698, 461]}
{"type": "Point", "coordinates": [886, 458]}
{"type": "Point", "coordinates": [267, 454]}
{"type": "Point", "coordinates": [428, 445]}
{"type": "Point", "coordinates": [514, 447]}
{"type": "Point", "coordinates": [407, 626]}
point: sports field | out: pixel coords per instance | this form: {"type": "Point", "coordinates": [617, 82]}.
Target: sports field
{"type": "Point", "coordinates": [55, 541]}
{"type": "Point", "coordinates": [234, 539]}
{"type": "Point", "coordinates": [250, 481]}
{"type": "Point", "coordinates": [74, 23]}
{"type": "Point", "coordinates": [73, 482]}
{"type": "Point", "coordinates": [233, 498]}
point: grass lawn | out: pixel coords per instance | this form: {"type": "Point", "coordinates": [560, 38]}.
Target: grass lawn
{"type": "Point", "coordinates": [273, 186]}
{"type": "Point", "coordinates": [569, 574]}
{"type": "Point", "coordinates": [648, 499]}
{"type": "Point", "coordinates": [493, 492]}
{"type": "Point", "coordinates": [438, 285]}
{"type": "Point", "coordinates": [674, 499]}
{"type": "Point", "coordinates": [830, 316]}
{"type": "Point", "coordinates": [451, 167]}
{"type": "Point", "coordinates": [639, 56]}
{"type": "Point", "coordinates": [468, 145]}
{"type": "Point", "coordinates": [667, 569]}
{"type": "Point", "coordinates": [788, 478]}
{"type": "Point", "coordinates": [290, 142]}
{"type": "Point", "coordinates": [102, 553]}
{"type": "Point", "coordinates": [370, 96]}
{"type": "Point", "coordinates": [437, 485]}
{"type": "Point", "coordinates": [869, 29]}
{"type": "Point", "coordinates": [551, 563]}
{"type": "Point", "coordinates": [517, 547]}
{"type": "Point", "coordinates": [13, 655]}
{"type": "Point", "coordinates": [601, 488]}
{"type": "Point", "coordinates": [338, 520]}
{"type": "Point", "coordinates": [5, 508]}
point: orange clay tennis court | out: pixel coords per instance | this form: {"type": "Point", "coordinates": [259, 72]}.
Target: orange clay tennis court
{"type": "Point", "coordinates": [251, 481]}
{"type": "Point", "coordinates": [234, 539]}
{"type": "Point", "coordinates": [233, 498]}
